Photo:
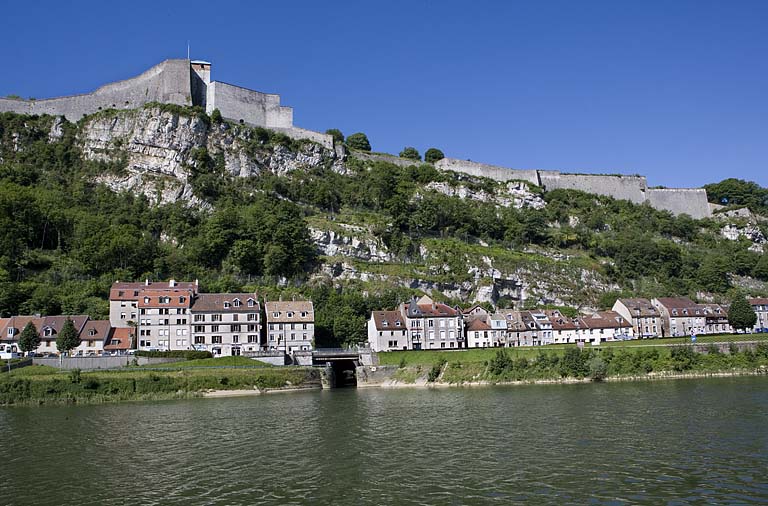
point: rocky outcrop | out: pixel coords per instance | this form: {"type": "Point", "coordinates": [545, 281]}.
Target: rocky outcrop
{"type": "Point", "coordinates": [515, 194]}
{"type": "Point", "coordinates": [352, 244]}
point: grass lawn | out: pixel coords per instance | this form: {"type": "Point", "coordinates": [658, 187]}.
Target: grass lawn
{"type": "Point", "coordinates": [479, 355]}
{"type": "Point", "coordinates": [210, 362]}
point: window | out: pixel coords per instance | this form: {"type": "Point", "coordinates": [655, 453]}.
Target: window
{"type": "Point", "coordinates": [92, 332]}
{"type": "Point", "coordinates": [215, 317]}
{"type": "Point", "coordinates": [290, 314]}
{"type": "Point", "coordinates": [250, 302]}
{"type": "Point", "coordinates": [235, 317]}
{"type": "Point", "coordinates": [122, 316]}
{"type": "Point", "coordinates": [252, 317]}
{"type": "Point", "coordinates": [252, 339]}
{"type": "Point", "coordinates": [146, 300]}
{"type": "Point", "coordinates": [303, 314]}
{"type": "Point", "coordinates": [226, 304]}
{"type": "Point", "coordinates": [397, 323]}
{"type": "Point", "coordinates": [199, 317]}
{"type": "Point", "coordinates": [182, 300]}
{"type": "Point", "coordinates": [235, 339]}
{"type": "Point", "coordinates": [236, 302]}
{"type": "Point", "coordinates": [275, 314]}
{"type": "Point", "coordinates": [199, 328]}
{"type": "Point", "coordinates": [199, 339]}
{"type": "Point", "coordinates": [214, 328]}
{"type": "Point", "coordinates": [234, 328]}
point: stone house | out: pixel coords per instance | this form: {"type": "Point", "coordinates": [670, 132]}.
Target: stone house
{"type": "Point", "coordinates": [518, 333]}
{"type": "Point", "coordinates": [479, 334]}
{"type": "Point", "coordinates": [605, 326]}
{"type": "Point", "coordinates": [680, 316]}
{"type": "Point", "coordinates": [387, 331]}
{"type": "Point", "coordinates": [433, 325]}
{"type": "Point", "coordinates": [290, 326]}
{"type": "Point", "coordinates": [715, 319]}
{"type": "Point", "coordinates": [642, 314]}
{"type": "Point", "coordinates": [760, 306]}
{"type": "Point", "coordinates": [564, 329]}
{"type": "Point", "coordinates": [226, 323]}
{"type": "Point", "coordinates": [92, 333]}
{"type": "Point", "coordinates": [124, 299]}
{"type": "Point", "coordinates": [540, 326]}
{"type": "Point", "coordinates": [164, 318]}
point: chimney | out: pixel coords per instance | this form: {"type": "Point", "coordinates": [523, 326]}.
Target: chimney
{"type": "Point", "coordinates": [172, 283]}
{"type": "Point", "coordinates": [146, 282]}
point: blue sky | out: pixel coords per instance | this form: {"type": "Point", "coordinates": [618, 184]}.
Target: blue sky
{"type": "Point", "coordinates": [677, 91]}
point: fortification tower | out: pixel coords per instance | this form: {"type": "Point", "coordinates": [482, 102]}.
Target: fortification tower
{"type": "Point", "coordinates": [201, 78]}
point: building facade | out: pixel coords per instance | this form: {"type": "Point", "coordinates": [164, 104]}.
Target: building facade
{"type": "Point", "coordinates": [226, 323]}
{"type": "Point", "coordinates": [290, 325]}
{"type": "Point", "coordinates": [642, 314]}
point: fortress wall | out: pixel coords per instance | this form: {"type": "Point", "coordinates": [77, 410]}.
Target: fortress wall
{"type": "Point", "coordinates": [489, 171]}
{"type": "Point", "coordinates": [259, 109]}
{"type": "Point", "coordinates": [167, 82]}
{"type": "Point", "coordinates": [690, 201]}
{"type": "Point", "coordinates": [382, 157]}
{"type": "Point", "coordinates": [300, 133]}
{"type": "Point", "coordinates": [630, 188]}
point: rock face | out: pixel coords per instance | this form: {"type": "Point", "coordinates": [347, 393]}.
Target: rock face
{"type": "Point", "coordinates": [159, 150]}
{"type": "Point", "coordinates": [515, 194]}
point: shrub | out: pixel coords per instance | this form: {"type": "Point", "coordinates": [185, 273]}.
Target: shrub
{"type": "Point", "coordinates": [598, 369]}
{"type": "Point", "coordinates": [683, 358]}
{"type": "Point", "coordinates": [410, 153]}
{"type": "Point", "coordinates": [74, 376]}
{"type": "Point", "coordinates": [216, 116]}
{"type": "Point", "coordinates": [402, 363]}
{"type": "Point", "coordinates": [500, 363]}
{"type": "Point", "coordinates": [434, 373]}
{"type": "Point", "coordinates": [359, 141]}
{"type": "Point", "coordinates": [432, 155]}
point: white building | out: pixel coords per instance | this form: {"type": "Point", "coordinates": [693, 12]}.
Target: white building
{"type": "Point", "coordinates": [226, 323]}
{"type": "Point", "coordinates": [387, 331]}
{"type": "Point", "coordinates": [290, 325]}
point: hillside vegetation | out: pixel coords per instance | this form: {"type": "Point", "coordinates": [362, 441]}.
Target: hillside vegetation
{"type": "Point", "coordinates": [250, 209]}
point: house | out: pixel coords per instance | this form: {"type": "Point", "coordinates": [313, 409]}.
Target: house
{"type": "Point", "coordinates": [498, 329]}
{"type": "Point", "coordinates": [479, 334]}
{"type": "Point", "coordinates": [680, 316]}
{"type": "Point", "coordinates": [540, 326]}
{"type": "Point", "coordinates": [290, 325]}
{"type": "Point", "coordinates": [121, 340]}
{"type": "Point", "coordinates": [642, 314]}
{"type": "Point", "coordinates": [92, 333]}
{"type": "Point", "coordinates": [564, 329]}
{"type": "Point", "coordinates": [760, 306]}
{"type": "Point", "coordinates": [124, 299]}
{"type": "Point", "coordinates": [715, 319]}
{"type": "Point", "coordinates": [164, 318]}
{"type": "Point", "coordinates": [606, 326]}
{"type": "Point", "coordinates": [433, 325]}
{"type": "Point", "coordinates": [518, 332]}
{"type": "Point", "coordinates": [226, 323]}
{"type": "Point", "coordinates": [387, 331]}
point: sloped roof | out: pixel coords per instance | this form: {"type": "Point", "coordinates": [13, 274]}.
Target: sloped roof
{"type": "Point", "coordinates": [214, 302]}
{"type": "Point", "coordinates": [177, 298]}
{"type": "Point", "coordinates": [478, 325]}
{"type": "Point", "coordinates": [677, 303]}
{"type": "Point", "coordinates": [640, 307]}
{"type": "Point", "coordinates": [392, 319]}
{"type": "Point", "coordinates": [120, 340]}
{"type": "Point", "coordinates": [101, 330]}
{"type": "Point", "coordinates": [758, 301]}
{"type": "Point", "coordinates": [296, 307]}
{"type": "Point", "coordinates": [605, 320]}
{"type": "Point", "coordinates": [122, 290]}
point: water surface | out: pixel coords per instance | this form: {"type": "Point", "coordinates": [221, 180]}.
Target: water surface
{"type": "Point", "coordinates": [667, 442]}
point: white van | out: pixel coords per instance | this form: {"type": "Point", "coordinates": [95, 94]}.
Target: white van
{"type": "Point", "coordinates": [9, 351]}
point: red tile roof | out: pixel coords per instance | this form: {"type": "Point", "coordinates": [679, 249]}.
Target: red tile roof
{"type": "Point", "coordinates": [131, 291]}
{"type": "Point", "coordinates": [120, 340]}
{"type": "Point", "coordinates": [478, 325]}
{"type": "Point", "coordinates": [176, 298]}
{"type": "Point", "coordinates": [394, 320]}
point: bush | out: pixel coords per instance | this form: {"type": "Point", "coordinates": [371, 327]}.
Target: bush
{"type": "Point", "coordinates": [185, 354]}
{"type": "Point", "coordinates": [434, 373]}
{"type": "Point", "coordinates": [74, 376]}
{"type": "Point", "coordinates": [216, 116]}
{"type": "Point", "coordinates": [410, 153]}
{"type": "Point", "coordinates": [683, 358]}
{"type": "Point", "coordinates": [432, 155]}
{"type": "Point", "coordinates": [598, 369]}
{"type": "Point", "coordinates": [500, 363]}
{"type": "Point", "coordinates": [359, 141]}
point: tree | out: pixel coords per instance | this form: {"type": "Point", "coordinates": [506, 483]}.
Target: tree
{"type": "Point", "coordinates": [216, 116]}
{"type": "Point", "coordinates": [741, 316]}
{"type": "Point", "coordinates": [760, 270]}
{"type": "Point", "coordinates": [29, 339]}
{"type": "Point", "coordinates": [411, 153]}
{"type": "Point", "coordinates": [432, 155]}
{"type": "Point", "coordinates": [359, 141]}
{"type": "Point", "coordinates": [68, 339]}
{"type": "Point", "coordinates": [338, 137]}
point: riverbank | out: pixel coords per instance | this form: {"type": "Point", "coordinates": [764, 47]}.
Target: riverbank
{"type": "Point", "coordinates": [38, 385]}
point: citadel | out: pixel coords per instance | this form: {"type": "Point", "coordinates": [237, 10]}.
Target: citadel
{"type": "Point", "coordinates": [188, 83]}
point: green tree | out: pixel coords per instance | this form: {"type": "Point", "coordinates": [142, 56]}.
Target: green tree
{"type": "Point", "coordinates": [760, 270]}
{"type": "Point", "coordinates": [216, 116]}
{"type": "Point", "coordinates": [338, 137]}
{"type": "Point", "coordinates": [68, 339]}
{"type": "Point", "coordinates": [29, 339]}
{"type": "Point", "coordinates": [741, 316]}
{"type": "Point", "coordinates": [432, 155]}
{"type": "Point", "coordinates": [410, 153]}
{"type": "Point", "coordinates": [359, 141]}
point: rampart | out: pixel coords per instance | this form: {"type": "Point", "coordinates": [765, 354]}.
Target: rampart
{"type": "Point", "coordinates": [630, 188]}
{"type": "Point", "coordinates": [236, 103]}
{"type": "Point", "coordinates": [690, 201]}
{"type": "Point", "coordinates": [489, 171]}
{"type": "Point", "coordinates": [167, 82]}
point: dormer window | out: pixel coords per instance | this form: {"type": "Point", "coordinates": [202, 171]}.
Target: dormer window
{"type": "Point", "coordinates": [92, 332]}
{"type": "Point", "coordinates": [146, 300]}
{"type": "Point", "coordinates": [674, 312]}
{"type": "Point", "coordinates": [685, 311]}
{"type": "Point", "coordinates": [165, 300]}
{"type": "Point", "coordinates": [250, 302]}
{"type": "Point", "coordinates": [226, 304]}
{"type": "Point", "coordinates": [48, 331]}
{"type": "Point", "coordinates": [384, 323]}
{"type": "Point", "coordinates": [290, 314]}
{"type": "Point", "coordinates": [135, 293]}
{"type": "Point", "coordinates": [303, 314]}
{"type": "Point", "coordinates": [11, 331]}
{"type": "Point", "coordinates": [182, 300]}
{"type": "Point", "coordinates": [236, 302]}
{"type": "Point", "coordinates": [275, 314]}
{"type": "Point", "coordinates": [120, 293]}
{"type": "Point", "coordinates": [697, 311]}
{"type": "Point", "coordinates": [397, 323]}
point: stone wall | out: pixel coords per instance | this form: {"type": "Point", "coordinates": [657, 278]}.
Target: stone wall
{"type": "Point", "coordinates": [252, 107]}
{"type": "Point", "coordinates": [301, 133]}
{"type": "Point", "coordinates": [690, 201]}
{"type": "Point", "coordinates": [90, 363]}
{"type": "Point", "coordinates": [630, 188]}
{"type": "Point", "coordinates": [489, 171]}
{"type": "Point", "coordinates": [167, 82]}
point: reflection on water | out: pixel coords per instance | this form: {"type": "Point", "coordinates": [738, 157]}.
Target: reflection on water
{"type": "Point", "coordinates": [677, 442]}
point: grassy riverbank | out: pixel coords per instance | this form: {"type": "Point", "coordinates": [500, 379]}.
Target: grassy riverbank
{"type": "Point", "coordinates": [547, 364]}
{"type": "Point", "coordinates": [46, 385]}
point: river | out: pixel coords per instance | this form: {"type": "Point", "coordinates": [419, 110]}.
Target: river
{"type": "Point", "coordinates": [665, 442]}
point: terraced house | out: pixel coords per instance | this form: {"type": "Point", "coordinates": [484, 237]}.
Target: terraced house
{"type": "Point", "coordinates": [290, 325]}
{"type": "Point", "coordinates": [642, 314]}
{"type": "Point", "coordinates": [124, 299]}
{"type": "Point", "coordinates": [93, 333]}
{"type": "Point", "coordinates": [164, 318]}
{"type": "Point", "coordinates": [387, 331]}
{"type": "Point", "coordinates": [433, 325]}
{"type": "Point", "coordinates": [680, 316]}
{"type": "Point", "coordinates": [760, 307]}
{"type": "Point", "coordinates": [226, 323]}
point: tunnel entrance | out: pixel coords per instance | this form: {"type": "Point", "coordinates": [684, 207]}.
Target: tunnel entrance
{"type": "Point", "coordinates": [341, 373]}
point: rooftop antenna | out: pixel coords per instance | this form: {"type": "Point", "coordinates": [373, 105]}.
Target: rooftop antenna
{"type": "Point", "coordinates": [187, 50]}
